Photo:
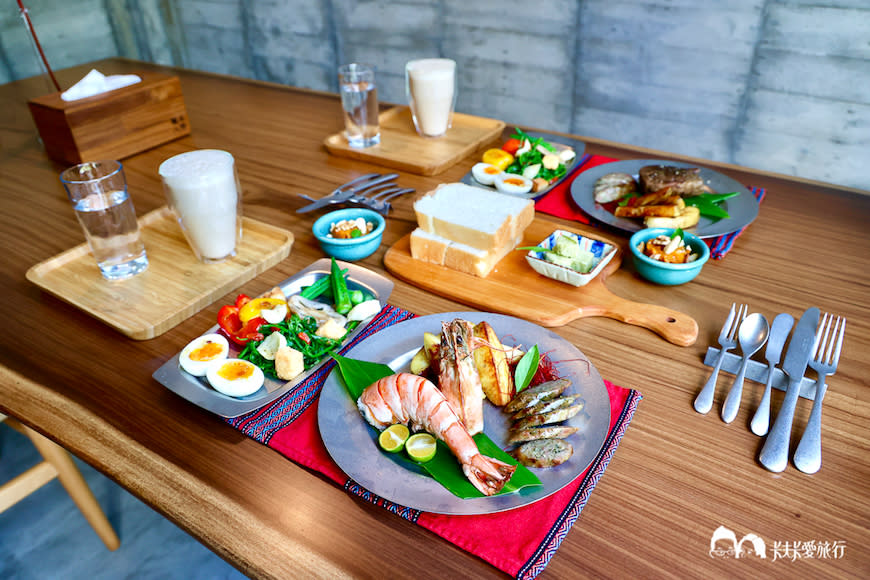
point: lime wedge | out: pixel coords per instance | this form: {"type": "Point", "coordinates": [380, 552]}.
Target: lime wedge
{"type": "Point", "coordinates": [421, 447]}
{"type": "Point", "coordinates": [393, 438]}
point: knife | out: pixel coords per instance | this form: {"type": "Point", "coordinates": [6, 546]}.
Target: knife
{"type": "Point", "coordinates": [346, 191]}
{"type": "Point", "coordinates": [778, 333]}
{"type": "Point", "coordinates": [774, 454]}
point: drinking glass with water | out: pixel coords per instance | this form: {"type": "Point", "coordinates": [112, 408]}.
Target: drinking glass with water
{"type": "Point", "coordinates": [98, 192]}
{"type": "Point", "coordinates": [359, 101]}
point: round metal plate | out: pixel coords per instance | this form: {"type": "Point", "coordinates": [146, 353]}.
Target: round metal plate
{"type": "Point", "coordinates": [743, 209]}
{"type": "Point", "coordinates": [352, 443]}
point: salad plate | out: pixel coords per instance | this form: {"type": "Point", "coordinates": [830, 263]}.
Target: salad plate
{"type": "Point", "coordinates": [197, 390]}
{"type": "Point", "coordinates": [353, 445]}
{"type": "Point", "coordinates": [560, 143]}
{"type": "Point", "coordinates": [742, 209]}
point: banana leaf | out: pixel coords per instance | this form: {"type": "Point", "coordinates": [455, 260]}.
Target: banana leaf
{"type": "Point", "coordinates": [443, 468]}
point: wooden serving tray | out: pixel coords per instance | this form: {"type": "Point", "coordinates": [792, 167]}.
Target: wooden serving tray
{"type": "Point", "coordinates": [514, 288]}
{"type": "Point", "coordinates": [173, 288]}
{"type": "Point", "coordinates": [402, 148]}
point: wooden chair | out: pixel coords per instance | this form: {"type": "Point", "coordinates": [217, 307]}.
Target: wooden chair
{"type": "Point", "coordinates": [58, 463]}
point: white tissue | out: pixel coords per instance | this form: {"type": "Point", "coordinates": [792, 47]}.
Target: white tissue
{"type": "Point", "coordinates": [95, 83]}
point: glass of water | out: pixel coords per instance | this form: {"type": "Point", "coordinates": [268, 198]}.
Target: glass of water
{"type": "Point", "coordinates": [359, 102]}
{"type": "Point", "coordinates": [98, 192]}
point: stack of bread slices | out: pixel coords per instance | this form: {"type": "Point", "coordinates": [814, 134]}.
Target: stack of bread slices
{"type": "Point", "coordinates": [468, 229]}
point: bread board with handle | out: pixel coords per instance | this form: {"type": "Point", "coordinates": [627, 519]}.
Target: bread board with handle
{"type": "Point", "coordinates": [514, 288]}
{"type": "Point", "coordinates": [173, 288]}
{"type": "Point", "coordinates": [402, 148]}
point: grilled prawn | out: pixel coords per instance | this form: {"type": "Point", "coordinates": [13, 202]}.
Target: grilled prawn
{"type": "Point", "coordinates": [414, 401]}
{"type": "Point", "coordinates": [457, 375]}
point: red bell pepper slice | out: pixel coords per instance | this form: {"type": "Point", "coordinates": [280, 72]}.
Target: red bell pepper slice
{"type": "Point", "coordinates": [304, 337]}
{"type": "Point", "coordinates": [232, 326]}
{"type": "Point", "coordinates": [511, 146]}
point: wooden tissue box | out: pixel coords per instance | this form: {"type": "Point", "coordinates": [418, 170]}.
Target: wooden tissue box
{"type": "Point", "coordinates": [112, 125]}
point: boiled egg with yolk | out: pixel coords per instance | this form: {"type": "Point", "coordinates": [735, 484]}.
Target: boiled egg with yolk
{"type": "Point", "coordinates": [235, 377]}
{"type": "Point", "coordinates": [201, 352]}
{"type": "Point", "coordinates": [485, 173]}
{"type": "Point", "coordinates": [510, 183]}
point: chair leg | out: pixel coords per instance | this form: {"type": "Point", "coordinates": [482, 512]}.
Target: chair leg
{"type": "Point", "coordinates": [71, 478]}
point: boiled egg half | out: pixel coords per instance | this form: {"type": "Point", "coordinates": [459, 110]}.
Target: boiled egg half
{"type": "Point", "coordinates": [510, 183]}
{"type": "Point", "coordinates": [235, 377]}
{"type": "Point", "coordinates": [485, 173]}
{"type": "Point", "coordinates": [201, 352]}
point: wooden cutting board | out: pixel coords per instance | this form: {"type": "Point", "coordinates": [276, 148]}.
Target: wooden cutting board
{"type": "Point", "coordinates": [514, 288]}
{"type": "Point", "coordinates": [402, 148]}
{"type": "Point", "coordinates": [173, 288]}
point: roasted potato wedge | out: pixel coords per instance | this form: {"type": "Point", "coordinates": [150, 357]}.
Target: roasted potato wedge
{"type": "Point", "coordinates": [492, 365]}
{"type": "Point", "coordinates": [420, 362]}
{"type": "Point", "coordinates": [687, 218]}
{"type": "Point", "coordinates": [423, 358]}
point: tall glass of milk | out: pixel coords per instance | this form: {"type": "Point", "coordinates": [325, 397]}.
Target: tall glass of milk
{"type": "Point", "coordinates": [431, 87]}
{"type": "Point", "coordinates": [202, 188]}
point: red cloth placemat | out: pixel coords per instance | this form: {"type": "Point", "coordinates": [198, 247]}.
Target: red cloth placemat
{"type": "Point", "coordinates": [558, 202]}
{"type": "Point", "coordinates": [519, 542]}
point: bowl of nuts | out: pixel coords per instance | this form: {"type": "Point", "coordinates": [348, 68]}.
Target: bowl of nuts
{"type": "Point", "coordinates": [349, 234]}
{"type": "Point", "coordinates": [667, 256]}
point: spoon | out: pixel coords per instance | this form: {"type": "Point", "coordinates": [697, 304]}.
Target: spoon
{"type": "Point", "coordinates": [778, 333]}
{"type": "Point", "coordinates": [752, 336]}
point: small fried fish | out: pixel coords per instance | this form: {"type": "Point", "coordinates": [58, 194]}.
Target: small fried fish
{"type": "Point", "coordinates": [543, 453]}
{"type": "Point", "coordinates": [550, 417]}
{"type": "Point", "coordinates": [545, 407]}
{"type": "Point", "coordinates": [534, 433]}
{"type": "Point", "coordinates": [537, 394]}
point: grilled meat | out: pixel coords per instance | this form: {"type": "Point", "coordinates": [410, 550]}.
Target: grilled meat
{"type": "Point", "coordinates": [683, 181]}
{"type": "Point", "coordinates": [613, 186]}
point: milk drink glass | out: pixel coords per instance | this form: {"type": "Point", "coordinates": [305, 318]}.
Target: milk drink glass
{"type": "Point", "coordinates": [202, 188]}
{"type": "Point", "coordinates": [430, 84]}
{"type": "Point", "coordinates": [98, 192]}
{"type": "Point", "coordinates": [359, 102]}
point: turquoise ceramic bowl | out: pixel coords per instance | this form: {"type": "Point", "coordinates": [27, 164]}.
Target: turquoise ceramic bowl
{"type": "Point", "coordinates": [351, 249]}
{"type": "Point", "coordinates": [661, 272]}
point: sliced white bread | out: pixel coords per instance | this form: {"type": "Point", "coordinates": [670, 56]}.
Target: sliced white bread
{"type": "Point", "coordinates": [476, 217]}
{"type": "Point", "coordinates": [460, 257]}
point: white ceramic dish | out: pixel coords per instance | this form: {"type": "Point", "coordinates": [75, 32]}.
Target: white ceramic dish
{"type": "Point", "coordinates": [602, 251]}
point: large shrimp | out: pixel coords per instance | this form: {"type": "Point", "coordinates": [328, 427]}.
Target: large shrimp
{"type": "Point", "coordinates": [414, 401]}
{"type": "Point", "coordinates": [457, 375]}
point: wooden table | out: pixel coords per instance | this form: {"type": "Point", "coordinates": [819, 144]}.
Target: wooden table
{"type": "Point", "coordinates": [675, 478]}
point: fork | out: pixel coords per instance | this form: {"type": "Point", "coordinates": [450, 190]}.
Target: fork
{"type": "Point", "coordinates": [381, 203]}
{"type": "Point", "coordinates": [704, 400]}
{"type": "Point", "coordinates": [808, 455]}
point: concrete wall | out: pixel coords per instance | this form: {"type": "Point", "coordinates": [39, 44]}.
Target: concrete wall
{"type": "Point", "coordinates": [777, 85]}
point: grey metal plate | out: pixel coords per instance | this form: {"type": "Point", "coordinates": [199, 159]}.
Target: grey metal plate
{"type": "Point", "coordinates": [197, 390]}
{"type": "Point", "coordinates": [559, 142]}
{"type": "Point", "coordinates": [743, 209]}
{"type": "Point", "coordinates": [352, 443]}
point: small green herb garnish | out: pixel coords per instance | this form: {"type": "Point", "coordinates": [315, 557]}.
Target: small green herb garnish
{"type": "Point", "coordinates": [526, 368]}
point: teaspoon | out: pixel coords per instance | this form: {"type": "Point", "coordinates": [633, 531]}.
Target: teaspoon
{"type": "Point", "coordinates": [752, 336]}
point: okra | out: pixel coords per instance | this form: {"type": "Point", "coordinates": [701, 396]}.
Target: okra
{"type": "Point", "coordinates": [340, 293]}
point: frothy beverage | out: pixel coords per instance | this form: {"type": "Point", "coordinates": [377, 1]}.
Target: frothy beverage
{"type": "Point", "coordinates": [202, 188]}
{"type": "Point", "coordinates": [431, 88]}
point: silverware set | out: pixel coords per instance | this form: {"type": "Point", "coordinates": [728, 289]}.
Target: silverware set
{"type": "Point", "coordinates": [372, 190]}
{"type": "Point", "coordinates": [816, 342]}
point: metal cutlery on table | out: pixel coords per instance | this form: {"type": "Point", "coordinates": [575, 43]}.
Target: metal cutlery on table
{"type": "Point", "coordinates": [774, 453]}
{"type": "Point", "coordinates": [704, 400]}
{"type": "Point", "coordinates": [779, 331]}
{"type": "Point", "coordinates": [372, 190]}
{"type": "Point", "coordinates": [752, 335]}
{"type": "Point", "coordinates": [813, 344]}
{"type": "Point", "coordinates": [808, 455]}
